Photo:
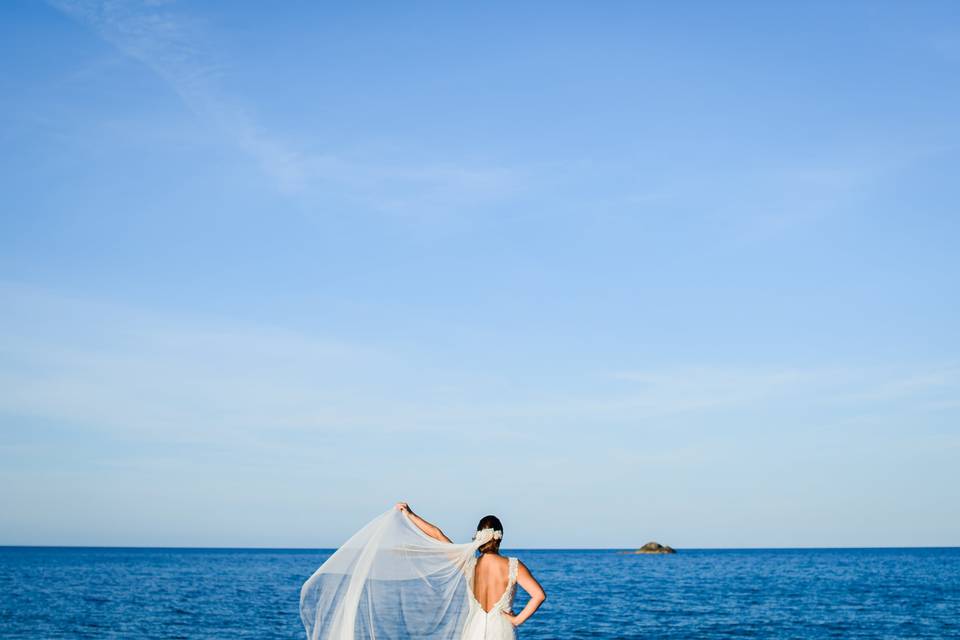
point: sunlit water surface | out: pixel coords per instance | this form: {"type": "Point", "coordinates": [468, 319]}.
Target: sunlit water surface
{"type": "Point", "coordinates": [229, 593]}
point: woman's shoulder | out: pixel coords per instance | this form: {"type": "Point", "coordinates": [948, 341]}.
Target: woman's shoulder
{"type": "Point", "coordinates": [519, 567]}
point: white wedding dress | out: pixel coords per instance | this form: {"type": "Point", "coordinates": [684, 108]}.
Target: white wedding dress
{"type": "Point", "coordinates": [492, 624]}
{"type": "Point", "coordinates": [392, 581]}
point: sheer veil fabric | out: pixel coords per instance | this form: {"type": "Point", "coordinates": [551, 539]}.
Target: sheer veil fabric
{"type": "Point", "coordinates": [389, 580]}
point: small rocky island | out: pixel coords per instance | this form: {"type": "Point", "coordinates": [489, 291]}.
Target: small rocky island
{"type": "Point", "coordinates": [653, 547]}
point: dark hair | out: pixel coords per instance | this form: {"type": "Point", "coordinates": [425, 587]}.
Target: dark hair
{"type": "Point", "coordinates": [490, 522]}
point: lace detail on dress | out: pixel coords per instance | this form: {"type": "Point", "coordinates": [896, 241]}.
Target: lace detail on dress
{"type": "Point", "coordinates": [511, 584]}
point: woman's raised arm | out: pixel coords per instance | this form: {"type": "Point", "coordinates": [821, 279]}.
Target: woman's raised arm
{"type": "Point", "coordinates": [430, 529]}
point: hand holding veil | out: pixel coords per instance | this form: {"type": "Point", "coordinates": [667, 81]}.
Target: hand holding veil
{"type": "Point", "coordinates": [389, 580]}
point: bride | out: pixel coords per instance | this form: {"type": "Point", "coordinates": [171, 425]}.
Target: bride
{"type": "Point", "coordinates": [401, 577]}
{"type": "Point", "coordinates": [492, 581]}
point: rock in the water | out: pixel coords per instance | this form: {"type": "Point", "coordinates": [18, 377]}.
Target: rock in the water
{"type": "Point", "coordinates": [655, 547]}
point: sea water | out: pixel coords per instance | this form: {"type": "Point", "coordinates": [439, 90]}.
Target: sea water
{"type": "Point", "coordinates": [254, 593]}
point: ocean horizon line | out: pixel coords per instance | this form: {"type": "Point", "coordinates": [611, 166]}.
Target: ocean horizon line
{"type": "Point", "coordinates": [512, 549]}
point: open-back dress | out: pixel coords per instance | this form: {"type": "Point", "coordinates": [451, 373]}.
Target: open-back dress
{"type": "Point", "coordinates": [492, 624]}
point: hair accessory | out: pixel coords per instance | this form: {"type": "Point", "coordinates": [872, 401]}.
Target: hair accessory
{"type": "Point", "coordinates": [484, 536]}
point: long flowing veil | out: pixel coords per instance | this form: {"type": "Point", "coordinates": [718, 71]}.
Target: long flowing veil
{"type": "Point", "coordinates": [389, 580]}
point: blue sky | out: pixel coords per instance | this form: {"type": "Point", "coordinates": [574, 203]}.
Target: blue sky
{"type": "Point", "coordinates": [616, 272]}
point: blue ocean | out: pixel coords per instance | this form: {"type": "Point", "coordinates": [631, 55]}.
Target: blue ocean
{"type": "Point", "coordinates": [231, 593]}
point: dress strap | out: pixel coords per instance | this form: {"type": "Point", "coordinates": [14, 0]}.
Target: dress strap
{"type": "Point", "coordinates": [512, 564]}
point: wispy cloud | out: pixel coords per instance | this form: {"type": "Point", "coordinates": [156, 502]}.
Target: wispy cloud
{"type": "Point", "coordinates": [161, 376]}
{"type": "Point", "coordinates": [750, 204]}
{"type": "Point", "coordinates": [128, 371]}
{"type": "Point", "coordinates": [698, 388]}
{"type": "Point", "coordinates": [746, 203]}
{"type": "Point", "coordinates": [175, 46]}
{"type": "Point", "coordinates": [705, 395]}
{"type": "Point", "coordinates": [190, 409]}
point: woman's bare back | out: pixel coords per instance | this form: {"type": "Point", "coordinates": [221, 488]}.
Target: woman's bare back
{"type": "Point", "coordinates": [490, 578]}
